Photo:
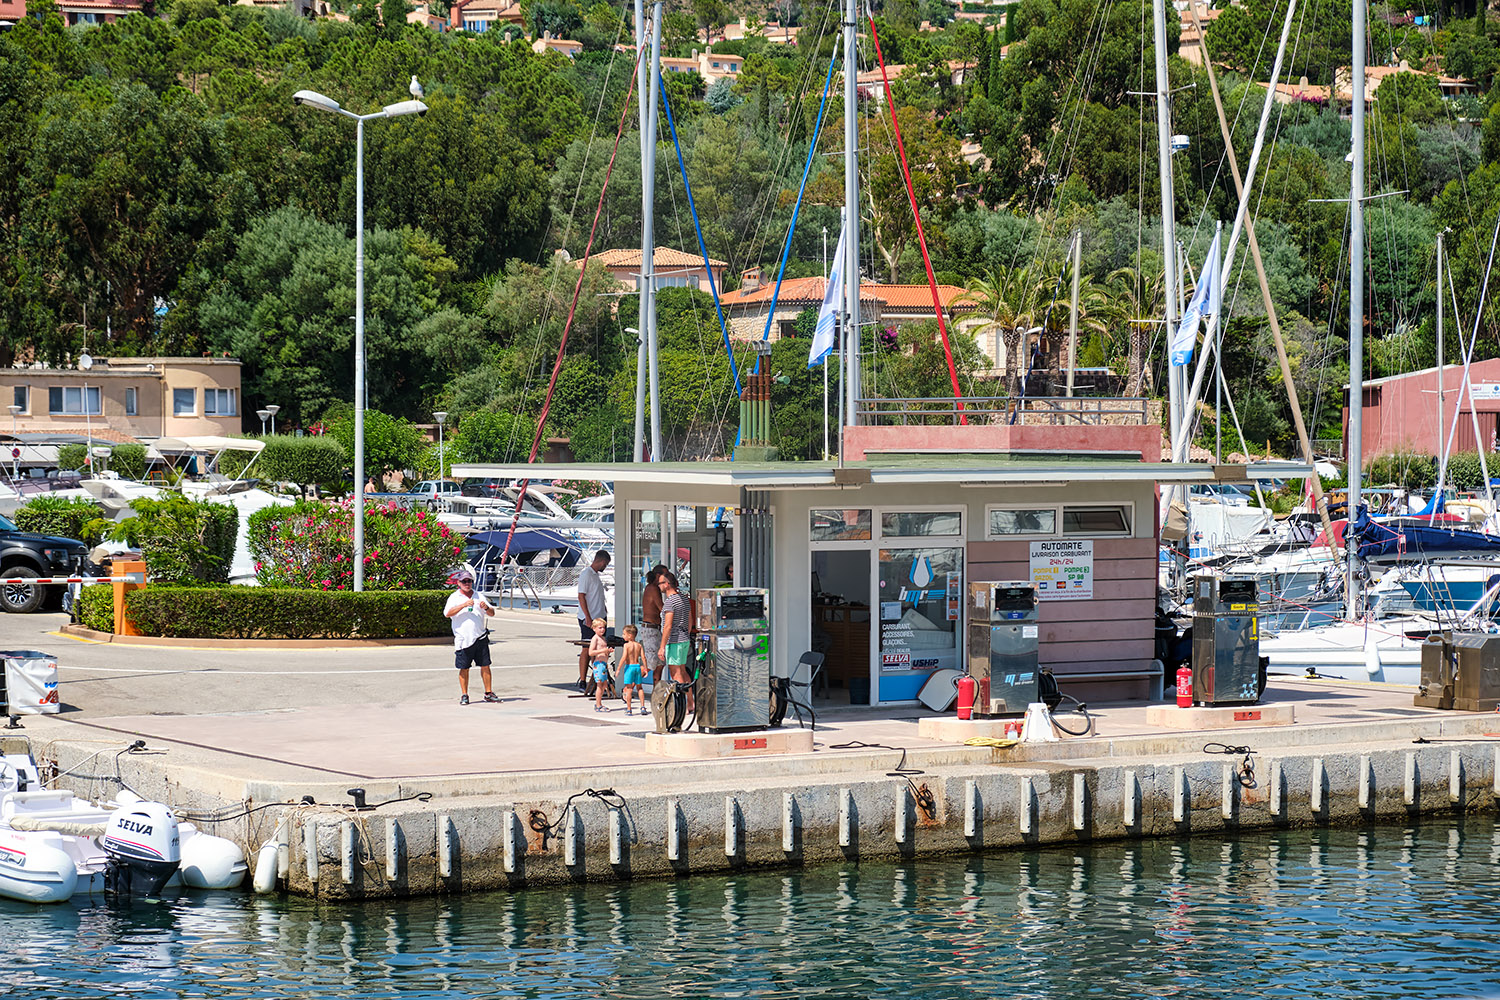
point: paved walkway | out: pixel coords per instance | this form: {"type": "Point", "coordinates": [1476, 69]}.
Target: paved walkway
{"type": "Point", "coordinates": [392, 713]}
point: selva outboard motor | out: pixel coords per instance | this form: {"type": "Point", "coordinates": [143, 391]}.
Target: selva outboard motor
{"type": "Point", "coordinates": [144, 851]}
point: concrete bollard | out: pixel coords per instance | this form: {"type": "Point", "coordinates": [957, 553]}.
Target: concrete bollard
{"type": "Point", "coordinates": [310, 848]}
{"type": "Point", "coordinates": [846, 817]}
{"type": "Point", "coordinates": [346, 852]}
{"type": "Point", "coordinates": [1131, 807]}
{"type": "Point", "coordinates": [972, 814]}
{"type": "Point", "coordinates": [731, 827]}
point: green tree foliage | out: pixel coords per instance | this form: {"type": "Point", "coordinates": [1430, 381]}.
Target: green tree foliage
{"type": "Point", "coordinates": [183, 541]}
{"type": "Point", "coordinates": [488, 436]}
{"type": "Point", "coordinates": [304, 461]}
{"type": "Point", "coordinates": [66, 517]}
{"type": "Point", "coordinates": [391, 444]}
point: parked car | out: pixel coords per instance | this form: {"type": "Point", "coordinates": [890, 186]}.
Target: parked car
{"type": "Point", "coordinates": [24, 555]}
{"type": "Point", "coordinates": [1219, 491]}
{"type": "Point", "coordinates": [489, 487]}
{"type": "Point", "coordinates": [433, 488]}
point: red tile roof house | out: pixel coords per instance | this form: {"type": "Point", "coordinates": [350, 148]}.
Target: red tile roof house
{"type": "Point", "coordinates": [882, 305]}
{"type": "Point", "coordinates": [673, 268]}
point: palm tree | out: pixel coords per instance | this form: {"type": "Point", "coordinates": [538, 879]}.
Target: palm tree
{"type": "Point", "coordinates": [1010, 301]}
{"type": "Point", "coordinates": [1136, 302]}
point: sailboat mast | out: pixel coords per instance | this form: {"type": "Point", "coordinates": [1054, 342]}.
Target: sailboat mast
{"type": "Point", "coordinates": [1175, 373]}
{"type": "Point", "coordinates": [1440, 438]}
{"type": "Point", "coordinates": [1356, 300]}
{"type": "Point", "coordinates": [639, 452]}
{"type": "Point", "coordinates": [648, 231]}
{"type": "Point", "coordinates": [851, 215]}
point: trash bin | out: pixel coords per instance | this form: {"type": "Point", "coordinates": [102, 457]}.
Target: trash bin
{"type": "Point", "coordinates": [30, 682]}
{"type": "Point", "coordinates": [859, 690]}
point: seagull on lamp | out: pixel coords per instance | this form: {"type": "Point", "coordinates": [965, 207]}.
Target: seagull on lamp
{"type": "Point", "coordinates": [415, 87]}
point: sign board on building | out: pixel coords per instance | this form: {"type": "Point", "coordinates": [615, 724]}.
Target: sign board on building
{"type": "Point", "coordinates": [1063, 570]}
{"type": "Point", "coordinates": [1484, 390]}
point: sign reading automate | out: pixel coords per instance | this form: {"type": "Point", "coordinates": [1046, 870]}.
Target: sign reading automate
{"type": "Point", "coordinates": [1063, 570]}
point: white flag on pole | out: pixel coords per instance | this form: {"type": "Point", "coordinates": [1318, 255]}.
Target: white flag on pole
{"type": "Point", "coordinates": [828, 312]}
{"type": "Point", "coordinates": [1205, 302]}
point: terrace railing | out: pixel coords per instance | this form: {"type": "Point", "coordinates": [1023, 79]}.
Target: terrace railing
{"type": "Point", "coordinates": [1047, 411]}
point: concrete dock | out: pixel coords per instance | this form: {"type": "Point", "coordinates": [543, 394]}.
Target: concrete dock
{"type": "Point", "coordinates": [478, 797]}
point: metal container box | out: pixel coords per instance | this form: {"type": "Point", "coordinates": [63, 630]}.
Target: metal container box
{"type": "Point", "coordinates": [1435, 690]}
{"type": "Point", "coordinates": [1003, 646]}
{"type": "Point", "coordinates": [1226, 641]}
{"type": "Point", "coordinates": [1476, 677]}
{"type": "Point", "coordinates": [733, 691]}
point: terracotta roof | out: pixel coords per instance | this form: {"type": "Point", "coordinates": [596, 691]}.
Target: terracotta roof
{"type": "Point", "coordinates": [662, 257]}
{"type": "Point", "coordinates": [810, 290]}
{"type": "Point", "coordinates": [102, 433]}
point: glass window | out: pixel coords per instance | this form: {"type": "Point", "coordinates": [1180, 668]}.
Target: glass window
{"type": "Point", "coordinates": [72, 399]}
{"type": "Point", "coordinates": [22, 394]}
{"type": "Point", "coordinates": [1111, 520]}
{"type": "Point", "coordinates": [841, 525]}
{"type": "Point", "coordinates": [1023, 521]}
{"type": "Point", "coordinates": [920, 523]}
{"type": "Point", "coordinates": [184, 402]}
{"type": "Point", "coordinates": [218, 402]}
{"type": "Point", "coordinates": [130, 402]}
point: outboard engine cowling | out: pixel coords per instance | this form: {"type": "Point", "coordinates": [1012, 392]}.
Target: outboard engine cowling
{"type": "Point", "coordinates": [143, 847]}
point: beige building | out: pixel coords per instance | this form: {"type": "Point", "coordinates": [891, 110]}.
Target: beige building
{"type": "Point", "coordinates": [884, 306]}
{"type": "Point", "coordinates": [127, 398]}
{"type": "Point", "coordinates": [674, 269]}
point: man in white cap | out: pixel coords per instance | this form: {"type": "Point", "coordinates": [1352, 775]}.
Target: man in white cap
{"type": "Point", "coordinates": [466, 610]}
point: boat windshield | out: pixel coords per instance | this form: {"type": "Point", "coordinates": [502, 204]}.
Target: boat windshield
{"type": "Point", "coordinates": [6, 524]}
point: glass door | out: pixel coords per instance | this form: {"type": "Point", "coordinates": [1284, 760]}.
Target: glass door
{"type": "Point", "coordinates": [921, 607]}
{"type": "Point", "coordinates": [648, 544]}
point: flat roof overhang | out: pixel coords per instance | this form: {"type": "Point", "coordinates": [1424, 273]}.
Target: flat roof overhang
{"type": "Point", "coordinates": [972, 471]}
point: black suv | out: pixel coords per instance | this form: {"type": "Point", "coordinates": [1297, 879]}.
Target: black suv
{"type": "Point", "coordinates": [485, 487]}
{"type": "Point", "coordinates": [24, 556]}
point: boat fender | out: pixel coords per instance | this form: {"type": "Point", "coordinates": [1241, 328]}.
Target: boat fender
{"type": "Point", "coordinates": [265, 868]}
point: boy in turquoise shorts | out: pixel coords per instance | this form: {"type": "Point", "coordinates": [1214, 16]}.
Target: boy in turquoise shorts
{"type": "Point", "coordinates": [632, 659]}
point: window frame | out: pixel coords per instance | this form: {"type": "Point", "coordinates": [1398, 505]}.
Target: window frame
{"type": "Point", "coordinates": [21, 394]}
{"type": "Point", "coordinates": [86, 394]}
{"type": "Point", "coordinates": [991, 535]}
{"type": "Point", "coordinates": [192, 409]}
{"type": "Point", "coordinates": [132, 401]}
{"type": "Point", "coordinates": [213, 393]}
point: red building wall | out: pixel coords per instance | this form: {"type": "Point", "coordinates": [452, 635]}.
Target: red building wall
{"type": "Point", "coordinates": [1400, 413]}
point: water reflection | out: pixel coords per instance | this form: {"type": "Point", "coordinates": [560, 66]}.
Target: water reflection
{"type": "Point", "coordinates": [1381, 911]}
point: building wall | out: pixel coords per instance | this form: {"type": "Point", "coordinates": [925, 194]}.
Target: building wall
{"type": "Point", "coordinates": [153, 387]}
{"type": "Point", "coordinates": [1400, 414]}
{"type": "Point", "coordinates": [1110, 634]}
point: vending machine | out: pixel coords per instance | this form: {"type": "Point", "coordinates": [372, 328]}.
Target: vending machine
{"type": "Point", "coordinates": [734, 659]}
{"type": "Point", "coordinates": [1003, 646]}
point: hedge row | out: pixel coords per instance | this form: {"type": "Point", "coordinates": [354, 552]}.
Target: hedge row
{"type": "Point", "coordinates": [283, 613]}
{"type": "Point", "coordinates": [95, 607]}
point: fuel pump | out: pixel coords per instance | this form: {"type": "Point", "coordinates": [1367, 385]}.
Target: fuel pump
{"type": "Point", "coordinates": [1003, 646]}
{"type": "Point", "coordinates": [733, 690]}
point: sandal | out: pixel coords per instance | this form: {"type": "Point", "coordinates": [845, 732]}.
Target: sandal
{"type": "Point", "coordinates": [491, 696]}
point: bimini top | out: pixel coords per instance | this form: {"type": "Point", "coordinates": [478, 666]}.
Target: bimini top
{"type": "Point", "coordinates": [959, 469]}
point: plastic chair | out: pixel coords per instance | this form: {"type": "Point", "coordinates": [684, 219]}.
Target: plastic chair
{"type": "Point", "coordinates": [815, 679]}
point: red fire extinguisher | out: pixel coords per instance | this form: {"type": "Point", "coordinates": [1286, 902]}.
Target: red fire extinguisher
{"type": "Point", "coordinates": [1184, 687]}
{"type": "Point", "coordinates": [966, 690]}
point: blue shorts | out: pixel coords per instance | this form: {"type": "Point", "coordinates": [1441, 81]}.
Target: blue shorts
{"type": "Point", "coordinates": [631, 674]}
{"type": "Point", "coordinates": [601, 672]}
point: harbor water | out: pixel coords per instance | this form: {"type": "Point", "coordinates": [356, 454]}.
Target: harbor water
{"type": "Point", "coordinates": [1386, 911]}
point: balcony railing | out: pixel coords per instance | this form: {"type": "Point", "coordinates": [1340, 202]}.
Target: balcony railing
{"type": "Point", "coordinates": [1044, 411]}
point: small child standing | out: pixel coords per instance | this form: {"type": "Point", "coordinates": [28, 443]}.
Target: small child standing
{"type": "Point", "coordinates": [632, 658]}
{"type": "Point", "coordinates": [599, 661]}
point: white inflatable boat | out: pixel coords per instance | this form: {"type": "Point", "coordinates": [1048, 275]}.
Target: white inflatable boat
{"type": "Point", "coordinates": [54, 846]}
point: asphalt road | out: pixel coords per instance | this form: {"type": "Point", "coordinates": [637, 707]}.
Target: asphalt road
{"type": "Point", "coordinates": [530, 651]}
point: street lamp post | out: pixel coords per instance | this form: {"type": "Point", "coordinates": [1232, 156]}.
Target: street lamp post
{"type": "Point", "coordinates": [15, 469]}
{"type": "Point", "coordinates": [441, 416]}
{"type": "Point", "coordinates": [264, 415]}
{"type": "Point", "coordinates": [273, 409]}
{"type": "Point", "coordinates": [314, 99]}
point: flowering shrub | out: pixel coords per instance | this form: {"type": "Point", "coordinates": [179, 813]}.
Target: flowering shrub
{"type": "Point", "coordinates": [310, 545]}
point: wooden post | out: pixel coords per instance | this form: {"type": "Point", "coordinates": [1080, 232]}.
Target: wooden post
{"type": "Point", "coordinates": [123, 625]}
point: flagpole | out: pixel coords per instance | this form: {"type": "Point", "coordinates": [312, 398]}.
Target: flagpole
{"type": "Point", "coordinates": [825, 360]}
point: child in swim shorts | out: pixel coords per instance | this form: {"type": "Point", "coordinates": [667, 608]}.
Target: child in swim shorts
{"type": "Point", "coordinates": [632, 659]}
{"type": "Point", "coordinates": [599, 663]}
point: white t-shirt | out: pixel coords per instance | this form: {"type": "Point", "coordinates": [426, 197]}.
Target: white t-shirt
{"type": "Point", "coordinates": [468, 624]}
{"type": "Point", "coordinates": [592, 588]}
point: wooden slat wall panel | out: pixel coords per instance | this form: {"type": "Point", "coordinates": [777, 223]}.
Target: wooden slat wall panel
{"type": "Point", "coordinates": [1114, 632]}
